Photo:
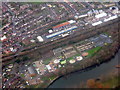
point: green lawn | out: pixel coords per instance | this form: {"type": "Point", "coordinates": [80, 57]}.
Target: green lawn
{"type": "Point", "coordinates": [60, 56]}
{"type": "Point", "coordinates": [93, 51]}
{"type": "Point", "coordinates": [22, 75]}
{"type": "Point", "coordinates": [52, 77]}
{"type": "Point", "coordinates": [44, 78]}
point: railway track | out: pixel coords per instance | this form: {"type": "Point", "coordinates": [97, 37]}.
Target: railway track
{"type": "Point", "coordinates": [75, 37]}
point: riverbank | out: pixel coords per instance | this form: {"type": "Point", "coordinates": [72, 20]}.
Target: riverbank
{"type": "Point", "coordinates": [84, 70]}
{"type": "Point", "coordinates": [108, 80]}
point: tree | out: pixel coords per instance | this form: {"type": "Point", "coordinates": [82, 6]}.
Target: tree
{"type": "Point", "coordinates": [107, 86]}
{"type": "Point", "coordinates": [91, 83]}
{"type": "Point", "coordinates": [99, 85]}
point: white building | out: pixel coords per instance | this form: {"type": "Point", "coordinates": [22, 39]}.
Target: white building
{"type": "Point", "coordinates": [110, 18]}
{"type": "Point", "coordinates": [101, 15]}
{"type": "Point", "coordinates": [96, 23]}
{"type": "Point", "coordinates": [72, 21]}
{"type": "Point", "coordinates": [50, 31]}
{"type": "Point", "coordinates": [40, 39]}
{"type": "Point", "coordinates": [48, 67]}
{"type": "Point", "coordinates": [3, 38]}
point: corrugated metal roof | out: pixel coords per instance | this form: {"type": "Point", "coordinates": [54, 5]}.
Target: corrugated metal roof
{"type": "Point", "coordinates": [60, 25]}
{"type": "Point", "coordinates": [60, 32]}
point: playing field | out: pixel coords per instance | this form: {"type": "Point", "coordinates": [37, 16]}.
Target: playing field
{"type": "Point", "coordinates": [91, 52]}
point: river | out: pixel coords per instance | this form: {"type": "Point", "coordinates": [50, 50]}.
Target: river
{"type": "Point", "coordinates": [77, 77]}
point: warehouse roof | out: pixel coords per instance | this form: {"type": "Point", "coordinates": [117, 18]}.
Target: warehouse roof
{"type": "Point", "coordinates": [60, 32]}
{"type": "Point", "coordinates": [100, 15]}
{"type": "Point", "coordinates": [40, 39]}
{"type": "Point", "coordinates": [60, 25]}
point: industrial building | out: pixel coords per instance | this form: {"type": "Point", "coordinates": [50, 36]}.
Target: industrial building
{"type": "Point", "coordinates": [64, 24]}
{"type": "Point", "coordinates": [101, 15]}
{"type": "Point", "coordinates": [96, 23]}
{"type": "Point", "coordinates": [39, 67]}
{"type": "Point", "coordinates": [110, 18]}
{"type": "Point", "coordinates": [100, 40]}
{"type": "Point", "coordinates": [60, 25]}
{"type": "Point", "coordinates": [60, 32]}
{"type": "Point", "coordinates": [32, 71]}
{"type": "Point", "coordinates": [40, 39]}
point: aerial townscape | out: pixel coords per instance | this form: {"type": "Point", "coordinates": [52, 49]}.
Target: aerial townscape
{"type": "Point", "coordinates": [48, 44]}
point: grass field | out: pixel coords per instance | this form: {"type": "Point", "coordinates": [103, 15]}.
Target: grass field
{"type": "Point", "coordinates": [53, 77]}
{"type": "Point", "coordinates": [91, 52]}
{"type": "Point", "coordinates": [22, 75]}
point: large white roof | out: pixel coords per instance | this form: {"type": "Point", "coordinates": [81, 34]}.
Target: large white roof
{"type": "Point", "coordinates": [82, 15]}
{"type": "Point", "coordinates": [72, 21]}
{"type": "Point", "coordinates": [50, 31]}
{"type": "Point", "coordinates": [97, 23]}
{"type": "Point", "coordinates": [101, 15]}
{"type": "Point", "coordinates": [40, 39]}
{"type": "Point", "coordinates": [110, 18]}
{"type": "Point", "coordinates": [48, 67]}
